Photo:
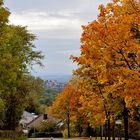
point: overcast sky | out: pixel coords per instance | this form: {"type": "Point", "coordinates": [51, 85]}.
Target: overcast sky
{"type": "Point", "coordinates": [57, 25]}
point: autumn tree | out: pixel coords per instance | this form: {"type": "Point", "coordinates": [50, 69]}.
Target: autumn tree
{"type": "Point", "coordinates": [109, 61]}
{"type": "Point", "coordinates": [61, 108]}
{"type": "Point", "coordinates": [78, 116]}
{"type": "Point", "coordinates": [96, 106]}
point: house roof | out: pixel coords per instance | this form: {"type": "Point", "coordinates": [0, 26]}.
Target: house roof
{"type": "Point", "coordinates": [36, 122]}
{"type": "Point", "coordinates": [27, 117]}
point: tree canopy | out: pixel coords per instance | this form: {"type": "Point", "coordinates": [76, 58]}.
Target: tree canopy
{"type": "Point", "coordinates": [17, 55]}
{"type": "Point", "coordinates": [109, 65]}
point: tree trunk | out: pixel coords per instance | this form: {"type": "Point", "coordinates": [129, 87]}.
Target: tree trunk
{"type": "Point", "coordinates": [12, 114]}
{"type": "Point", "coordinates": [80, 131]}
{"type": "Point", "coordinates": [68, 124]}
{"type": "Point", "coordinates": [125, 117]}
{"type": "Point", "coordinates": [105, 130]}
{"type": "Point", "coordinates": [95, 133]}
{"type": "Point", "coordinates": [101, 132]}
{"type": "Point", "coordinates": [88, 130]}
{"type": "Point", "coordinates": [108, 129]}
{"type": "Point", "coordinates": [113, 130]}
{"type": "Point", "coordinates": [120, 132]}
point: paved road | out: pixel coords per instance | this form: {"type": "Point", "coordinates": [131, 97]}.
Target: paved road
{"type": "Point", "coordinates": [58, 139]}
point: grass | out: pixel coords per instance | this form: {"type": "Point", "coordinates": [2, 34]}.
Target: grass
{"type": "Point", "coordinates": [20, 138]}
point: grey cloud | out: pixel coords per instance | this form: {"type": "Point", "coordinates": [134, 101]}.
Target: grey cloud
{"type": "Point", "coordinates": [57, 24]}
{"type": "Point", "coordinates": [52, 5]}
{"type": "Point", "coordinates": [64, 18]}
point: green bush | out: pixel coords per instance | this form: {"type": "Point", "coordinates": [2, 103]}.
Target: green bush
{"type": "Point", "coordinates": [22, 137]}
{"type": "Point", "coordinates": [48, 126]}
{"type": "Point", "coordinates": [73, 131]}
{"type": "Point", "coordinates": [65, 133]}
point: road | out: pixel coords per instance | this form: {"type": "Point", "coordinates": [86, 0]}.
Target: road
{"type": "Point", "coordinates": [58, 139]}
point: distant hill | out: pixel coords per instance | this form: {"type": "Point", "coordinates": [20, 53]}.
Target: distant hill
{"type": "Point", "coordinates": [54, 85]}
{"type": "Point", "coordinates": [59, 78]}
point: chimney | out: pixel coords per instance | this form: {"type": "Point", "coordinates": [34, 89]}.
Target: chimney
{"type": "Point", "coordinates": [45, 117]}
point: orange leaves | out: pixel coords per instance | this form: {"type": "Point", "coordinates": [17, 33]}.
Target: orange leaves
{"type": "Point", "coordinates": [66, 103]}
{"type": "Point", "coordinates": [109, 68]}
{"type": "Point", "coordinates": [84, 48]}
{"type": "Point", "coordinates": [62, 103]}
{"type": "Point", "coordinates": [102, 10]}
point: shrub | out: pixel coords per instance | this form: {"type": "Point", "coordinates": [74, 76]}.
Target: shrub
{"type": "Point", "coordinates": [47, 134]}
{"type": "Point", "coordinates": [65, 133]}
{"type": "Point", "coordinates": [11, 135]}
{"type": "Point", "coordinates": [48, 126]}
{"type": "Point", "coordinates": [31, 131]}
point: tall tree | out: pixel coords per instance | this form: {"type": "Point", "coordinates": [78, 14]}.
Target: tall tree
{"type": "Point", "coordinates": [17, 55]}
{"type": "Point", "coordinates": [61, 107]}
{"type": "Point", "coordinates": [110, 53]}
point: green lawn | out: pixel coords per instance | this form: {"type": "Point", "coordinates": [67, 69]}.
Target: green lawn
{"type": "Point", "coordinates": [20, 138]}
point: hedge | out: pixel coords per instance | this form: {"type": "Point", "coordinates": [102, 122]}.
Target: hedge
{"type": "Point", "coordinates": [9, 134]}
{"type": "Point", "coordinates": [47, 134]}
